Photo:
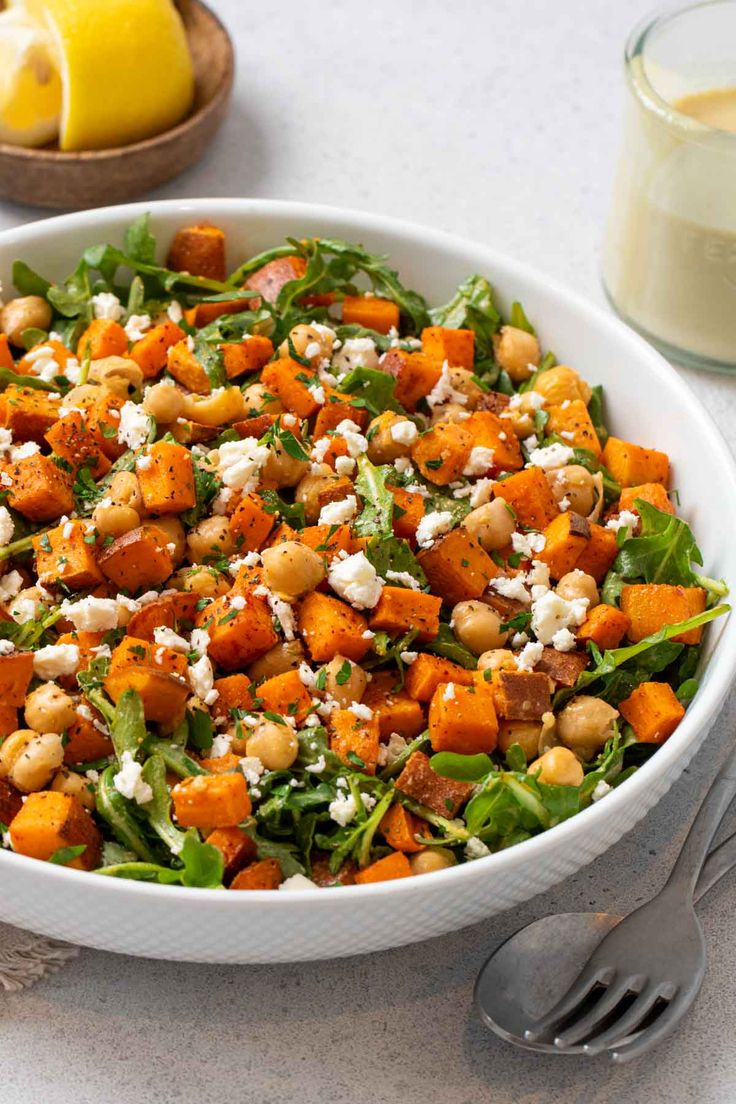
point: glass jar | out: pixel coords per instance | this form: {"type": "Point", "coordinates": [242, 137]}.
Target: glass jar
{"type": "Point", "coordinates": [669, 264]}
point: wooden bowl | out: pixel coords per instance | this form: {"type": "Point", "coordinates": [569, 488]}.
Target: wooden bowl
{"type": "Point", "coordinates": [48, 177]}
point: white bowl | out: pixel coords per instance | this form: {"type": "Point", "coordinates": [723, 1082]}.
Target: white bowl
{"type": "Point", "coordinates": [646, 402]}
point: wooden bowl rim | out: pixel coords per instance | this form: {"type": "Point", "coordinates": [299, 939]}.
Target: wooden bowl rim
{"type": "Point", "coordinates": [22, 153]}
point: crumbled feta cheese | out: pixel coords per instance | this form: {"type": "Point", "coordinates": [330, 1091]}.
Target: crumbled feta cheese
{"type": "Point", "coordinates": [404, 432]}
{"type": "Point", "coordinates": [408, 657]}
{"type": "Point", "coordinates": [551, 457]}
{"type": "Point", "coordinates": [344, 465]}
{"type": "Point", "coordinates": [91, 614]}
{"type": "Point", "coordinates": [162, 634]}
{"type": "Point", "coordinates": [106, 305]}
{"type": "Point", "coordinates": [24, 609]}
{"type": "Point", "coordinates": [564, 504]}
{"type": "Point", "coordinates": [529, 656]}
{"type": "Point", "coordinates": [354, 439]}
{"type": "Point", "coordinates": [221, 745]}
{"type": "Point", "coordinates": [476, 849]}
{"type": "Point", "coordinates": [22, 452]}
{"type": "Point", "coordinates": [252, 768]}
{"type": "Point", "coordinates": [237, 601]}
{"type": "Point", "coordinates": [449, 692]}
{"type": "Point", "coordinates": [550, 613]}
{"type": "Point", "coordinates": [389, 752]}
{"type": "Point", "coordinates": [355, 352]}
{"type": "Point", "coordinates": [338, 513]}
{"type": "Point", "coordinates": [318, 766]}
{"type": "Point", "coordinates": [512, 588]}
{"type": "Point", "coordinates": [297, 881]}
{"type": "Point", "coordinates": [55, 660]}
{"type": "Point", "coordinates": [405, 578]}
{"type": "Point", "coordinates": [343, 809]}
{"type": "Point", "coordinates": [479, 461]}
{"type": "Point", "coordinates": [601, 789]}
{"type": "Point", "coordinates": [174, 311]}
{"type": "Point", "coordinates": [128, 780]}
{"type": "Point", "coordinates": [443, 391]}
{"type": "Point", "coordinates": [355, 579]}
{"type": "Point", "coordinates": [369, 801]}
{"type": "Point", "coordinates": [7, 647]}
{"type": "Point", "coordinates": [528, 543]}
{"type": "Point", "coordinates": [317, 391]}
{"type": "Point", "coordinates": [137, 326]}
{"type": "Point", "coordinates": [531, 399]}
{"type": "Point", "coordinates": [240, 463]}
{"type": "Point", "coordinates": [433, 525]}
{"type": "Point", "coordinates": [538, 576]}
{"type": "Point", "coordinates": [201, 677]}
{"type": "Point", "coordinates": [143, 463]}
{"type": "Point", "coordinates": [281, 610]}
{"type": "Point", "coordinates": [10, 584]}
{"type": "Point", "coordinates": [402, 464]}
{"type": "Point", "coordinates": [563, 641]}
{"type": "Point", "coordinates": [625, 520]}
{"type": "Point", "coordinates": [135, 425]}
{"type": "Point", "coordinates": [481, 493]}
{"type": "Point", "coordinates": [7, 528]}
{"type": "Point", "coordinates": [362, 712]}
{"type": "Point", "coordinates": [307, 676]}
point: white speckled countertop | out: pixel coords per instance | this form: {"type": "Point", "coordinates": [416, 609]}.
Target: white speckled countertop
{"type": "Point", "coordinates": [498, 121]}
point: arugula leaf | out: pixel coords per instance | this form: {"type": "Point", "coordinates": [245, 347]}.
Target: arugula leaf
{"type": "Point", "coordinates": [595, 409]}
{"type": "Point", "coordinates": [8, 377]}
{"type": "Point", "coordinates": [376, 516]}
{"type": "Point", "coordinates": [64, 855]}
{"type": "Point", "coordinates": [390, 553]}
{"type": "Point", "coordinates": [662, 553]}
{"type": "Point", "coordinates": [73, 298]}
{"type": "Point", "coordinates": [140, 244]}
{"type": "Point", "coordinates": [586, 459]}
{"type": "Point", "coordinates": [372, 389]}
{"type": "Point", "coordinates": [445, 645]}
{"type": "Point", "coordinates": [201, 729]}
{"type": "Point", "coordinates": [291, 512]}
{"type": "Point", "coordinates": [472, 308]}
{"type": "Point", "coordinates": [463, 768]}
{"type": "Point", "coordinates": [519, 320]}
{"type": "Point", "coordinates": [29, 282]}
{"type": "Point", "coordinates": [206, 488]}
{"type": "Point", "coordinates": [33, 336]}
{"type": "Point", "coordinates": [203, 863]}
{"type": "Point", "coordinates": [212, 360]}
{"type": "Point", "coordinates": [458, 508]}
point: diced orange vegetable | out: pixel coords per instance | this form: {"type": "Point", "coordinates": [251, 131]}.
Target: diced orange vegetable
{"type": "Point", "coordinates": [442, 452]}
{"type": "Point", "coordinates": [16, 672]}
{"type": "Point", "coordinates": [169, 611]}
{"type": "Point", "coordinates": [408, 512]}
{"type": "Point", "coordinates": [394, 709]}
{"type": "Point", "coordinates": [328, 540]}
{"type": "Point", "coordinates": [399, 828]}
{"type": "Point", "coordinates": [103, 419]}
{"type": "Point", "coordinates": [8, 724]}
{"type": "Point", "coordinates": [6, 357]}
{"type": "Point", "coordinates": [211, 801]}
{"type": "Point", "coordinates": [238, 636]}
{"type": "Point", "coordinates": [247, 356]}
{"type": "Point", "coordinates": [565, 540]}
{"type": "Point", "coordinates": [265, 874]}
{"type": "Point", "coordinates": [631, 465]}
{"type": "Point", "coordinates": [87, 643]}
{"type": "Point", "coordinates": [73, 440]}
{"type": "Point", "coordinates": [573, 423]}
{"type": "Point", "coordinates": [528, 494]}
{"type": "Point", "coordinates": [204, 313]}
{"type": "Point", "coordinates": [186, 369]}
{"type": "Point", "coordinates": [368, 310]}
{"type": "Point", "coordinates": [354, 740]}
{"type": "Point", "coordinates": [41, 490]}
{"type": "Point", "coordinates": [329, 627]}
{"type": "Point", "coordinates": [27, 413]}
{"type": "Point", "coordinates": [653, 493]}
{"type": "Point", "coordinates": [49, 821]}
{"type": "Point", "coordinates": [269, 280]}
{"type": "Point", "coordinates": [166, 479]}
{"type": "Point", "coordinates": [519, 695]}
{"type": "Point", "coordinates": [387, 869]}
{"type": "Point", "coordinates": [651, 606]}
{"type": "Point", "coordinates": [415, 375]}
{"type": "Point", "coordinates": [85, 742]}
{"type": "Point", "coordinates": [59, 353]}
{"type": "Point", "coordinates": [286, 378]}
{"type": "Point", "coordinates": [237, 848]}
{"type": "Point", "coordinates": [400, 610]}
{"type": "Point", "coordinates": [138, 560]}
{"type": "Point", "coordinates": [234, 692]}
{"type": "Point", "coordinates": [463, 719]}
{"type": "Point", "coordinates": [443, 795]}
{"type": "Point", "coordinates": [490, 431]}
{"type": "Point", "coordinates": [457, 567]}
{"type": "Point", "coordinates": [427, 672]}
{"type": "Point", "coordinates": [605, 625]}
{"type": "Point", "coordinates": [457, 347]}
{"type": "Point", "coordinates": [250, 523]}
{"type": "Point", "coordinates": [62, 553]}
{"type": "Point", "coordinates": [151, 351]}
{"type": "Point", "coordinates": [337, 408]}
{"type": "Point", "coordinates": [222, 764]}
{"type": "Point", "coordinates": [200, 251]}
{"type": "Point", "coordinates": [598, 553]}
{"type": "Point", "coordinates": [102, 338]}
{"type": "Point", "coordinates": [653, 711]}
{"type": "Point", "coordinates": [287, 695]}
{"type": "Point", "coordinates": [158, 674]}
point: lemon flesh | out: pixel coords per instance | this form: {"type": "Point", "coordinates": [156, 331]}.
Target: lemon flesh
{"type": "Point", "coordinates": [30, 86]}
{"type": "Point", "coordinates": [125, 66]}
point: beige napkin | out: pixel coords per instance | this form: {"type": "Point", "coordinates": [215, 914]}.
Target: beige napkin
{"type": "Point", "coordinates": [26, 958]}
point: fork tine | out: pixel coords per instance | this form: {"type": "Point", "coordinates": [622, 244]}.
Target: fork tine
{"type": "Point", "coordinates": [587, 1024]}
{"type": "Point", "coordinates": [649, 1038]}
{"type": "Point", "coordinates": [580, 989]}
{"type": "Point", "coordinates": [626, 1024]}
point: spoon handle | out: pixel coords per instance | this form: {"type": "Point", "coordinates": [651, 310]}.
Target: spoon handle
{"type": "Point", "coordinates": [719, 862]}
{"type": "Point", "coordinates": [689, 862]}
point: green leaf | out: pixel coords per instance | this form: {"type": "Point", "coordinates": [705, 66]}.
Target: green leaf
{"type": "Point", "coordinates": [33, 336]}
{"type": "Point", "coordinates": [376, 516]}
{"type": "Point", "coordinates": [595, 409]}
{"type": "Point", "coordinates": [203, 863]}
{"type": "Point", "coordinates": [662, 553]}
{"type": "Point", "coordinates": [291, 512]}
{"type": "Point", "coordinates": [140, 244]}
{"type": "Point", "coordinates": [445, 645]}
{"type": "Point", "coordinates": [472, 308]}
{"type": "Point", "coordinates": [158, 810]}
{"type": "Point", "coordinates": [371, 389]}
{"type": "Point", "coordinates": [519, 320]}
{"type": "Point", "coordinates": [212, 361]}
{"type": "Point", "coordinates": [28, 282]}
{"type": "Point", "coordinates": [390, 553]}
{"type": "Point", "coordinates": [8, 377]}
{"type": "Point", "coordinates": [458, 508]}
{"type": "Point", "coordinates": [65, 855]}
{"type": "Point", "coordinates": [463, 768]}
{"type": "Point", "coordinates": [128, 729]}
{"type": "Point", "coordinates": [201, 729]}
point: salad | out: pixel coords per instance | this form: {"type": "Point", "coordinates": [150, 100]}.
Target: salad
{"type": "Point", "coordinates": [306, 583]}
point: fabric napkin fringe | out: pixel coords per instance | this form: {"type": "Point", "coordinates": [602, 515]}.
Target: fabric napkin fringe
{"type": "Point", "coordinates": [26, 958]}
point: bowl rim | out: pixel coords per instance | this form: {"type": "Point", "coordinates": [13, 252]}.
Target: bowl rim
{"type": "Point", "coordinates": [59, 158]}
{"type": "Point", "coordinates": [722, 664]}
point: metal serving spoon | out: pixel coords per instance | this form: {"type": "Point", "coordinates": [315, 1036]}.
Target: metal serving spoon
{"type": "Point", "coordinates": [566, 984]}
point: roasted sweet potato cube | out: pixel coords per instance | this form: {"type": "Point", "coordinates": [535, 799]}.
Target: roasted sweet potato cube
{"type": "Point", "coordinates": [457, 567]}
{"type": "Point", "coordinates": [521, 695]}
{"type": "Point", "coordinates": [87, 740]}
{"type": "Point", "coordinates": [237, 848]}
{"type": "Point", "coordinates": [328, 540]}
{"type": "Point", "coordinates": [204, 313]}
{"type": "Point", "coordinates": [457, 347]}
{"type": "Point", "coordinates": [400, 828]}
{"type": "Point", "coordinates": [529, 496]}
{"type": "Point", "coordinates": [290, 380]}
{"type": "Point", "coordinates": [234, 692]}
{"type": "Point", "coordinates": [441, 453]}
{"type": "Point", "coordinates": [102, 338]}
{"type": "Point", "coordinates": [564, 668]}
{"type": "Point", "coordinates": [653, 493]}
{"type": "Point", "coordinates": [565, 540]}
{"type": "Point", "coordinates": [214, 801]}
{"type": "Point", "coordinates": [354, 740]}
{"type": "Point", "coordinates": [27, 413]}
{"type": "Point", "coordinates": [103, 419]}
{"type": "Point", "coordinates": [443, 795]}
{"type": "Point", "coordinates": [273, 276]}
{"type": "Point", "coordinates": [49, 821]}
{"type": "Point", "coordinates": [400, 610]}
{"type": "Point", "coordinates": [138, 560]}
{"type": "Point", "coordinates": [171, 611]}
{"type": "Point", "coordinates": [387, 869]}
{"type": "Point", "coordinates": [222, 764]}
{"type": "Point", "coordinates": [250, 523]}
{"type": "Point", "coordinates": [287, 695]}
{"type": "Point", "coordinates": [330, 627]}
{"type": "Point", "coordinates": [336, 409]}
{"type": "Point", "coordinates": [631, 465]}
{"type": "Point", "coordinates": [248, 355]}
{"type": "Point", "coordinates": [490, 431]}
{"type": "Point", "coordinates": [73, 440]}
{"type": "Point", "coordinates": [11, 802]}
{"type": "Point", "coordinates": [605, 625]}
{"type": "Point", "coordinates": [572, 422]}
{"type": "Point", "coordinates": [376, 314]}
{"type": "Point", "coordinates": [415, 375]}
{"type": "Point", "coordinates": [186, 369]}
{"type": "Point", "coordinates": [265, 874]}
{"type": "Point", "coordinates": [166, 478]}
{"type": "Point", "coordinates": [651, 606]}
{"type": "Point", "coordinates": [200, 251]}
{"type": "Point", "coordinates": [8, 724]}
{"type": "Point", "coordinates": [63, 553]}
{"type": "Point", "coordinates": [427, 672]}
{"type": "Point", "coordinates": [598, 553]}
{"type": "Point", "coordinates": [151, 352]}
{"type": "Point", "coordinates": [653, 712]}
{"type": "Point", "coordinates": [238, 636]}
{"type": "Point", "coordinates": [134, 651]}
{"type": "Point", "coordinates": [394, 709]}
{"type": "Point", "coordinates": [156, 672]}
{"type": "Point", "coordinates": [41, 490]}
{"type": "Point", "coordinates": [6, 361]}
{"type": "Point", "coordinates": [409, 510]}
{"type": "Point", "coordinates": [16, 672]}
{"type": "Point", "coordinates": [324, 877]}
{"type": "Point", "coordinates": [463, 718]}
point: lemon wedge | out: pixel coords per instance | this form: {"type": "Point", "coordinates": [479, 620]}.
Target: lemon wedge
{"type": "Point", "coordinates": [125, 68]}
{"type": "Point", "coordinates": [30, 87]}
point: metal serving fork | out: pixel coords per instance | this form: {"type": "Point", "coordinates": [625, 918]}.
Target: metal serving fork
{"type": "Point", "coordinates": [645, 974]}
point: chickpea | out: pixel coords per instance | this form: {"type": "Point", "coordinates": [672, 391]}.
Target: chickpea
{"type": "Point", "coordinates": [461, 379]}
{"type": "Point", "coordinates": [576, 484]}
{"type": "Point", "coordinates": [561, 383]}
{"type": "Point", "coordinates": [68, 782]}
{"type": "Point", "coordinates": [125, 490]}
{"type": "Point", "coordinates": [85, 395]}
{"type": "Point", "coordinates": [27, 312]}
{"type": "Point", "coordinates": [113, 521]}
{"type": "Point", "coordinates": [383, 446]}
{"type": "Point", "coordinates": [308, 490]}
{"type": "Point", "coordinates": [224, 405]}
{"type": "Point", "coordinates": [517, 352]}
{"type": "Point", "coordinates": [434, 858]}
{"type": "Point", "coordinates": [11, 748]}
{"type": "Point", "coordinates": [175, 534]}
{"type": "Point", "coordinates": [558, 767]}
{"type": "Point", "coordinates": [491, 524]}
{"type": "Point", "coordinates": [346, 684]}
{"type": "Point", "coordinates": [164, 401]}
{"type": "Point", "coordinates": [497, 659]}
{"type": "Point", "coordinates": [292, 569]}
{"type": "Point", "coordinates": [204, 581]}
{"type": "Point", "coordinates": [576, 584]}
{"type": "Point", "coordinates": [274, 744]}
{"type": "Point", "coordinates": [304, 338]}
{"type": "Point", "coordinates": [282, 470]}
{"type": "Point", "coordinates": [118, 374]}
{"type": "Point", "coordinates": [281, 658]}
{"type": "Point", "coordinates": [210, 539]}
{"type": "Point", "coordinates": [585, 724]}
{"type": "Point", "coordinates": [450, 412]}
{"type": "Point", "coordinates": [37, 758]}
{"type": "Point", "coordinates": [239, 736]}
{"type": "Point", "coordinates": [524, 733]}
{"type": "Point", "coordinates": [48, 708]}
{"type": "Point", "coordinates": [259, 400]}
{"type": "Point", "coordinates": [477, 626]}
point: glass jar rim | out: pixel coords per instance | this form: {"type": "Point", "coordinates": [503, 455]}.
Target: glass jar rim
{"type": "Point", "coordinates": [643, 88]}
